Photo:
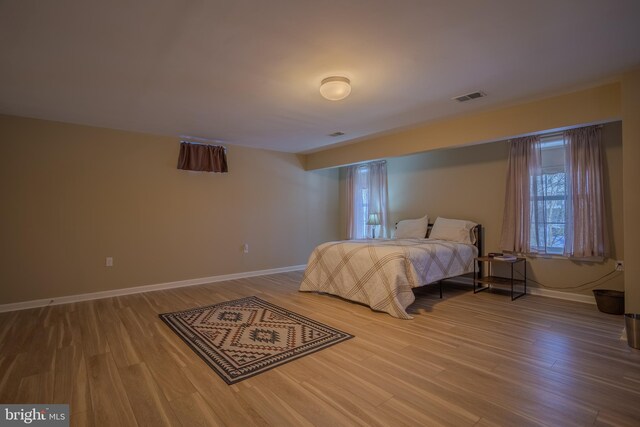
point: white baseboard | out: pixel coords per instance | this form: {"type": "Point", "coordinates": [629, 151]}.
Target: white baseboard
{"type": "Point", "coordinates": [139, 289]}
{"type": "Point", "coordinates": [212, 279]}
{"type": "Point", "coordinates": [588, 299]}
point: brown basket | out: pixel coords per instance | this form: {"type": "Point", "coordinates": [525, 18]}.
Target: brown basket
{"type": "Point", "coordinates": [609, 301]}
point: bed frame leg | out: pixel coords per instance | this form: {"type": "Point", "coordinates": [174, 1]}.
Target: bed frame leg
{"type": "Point", "coordinates": [440, 284]}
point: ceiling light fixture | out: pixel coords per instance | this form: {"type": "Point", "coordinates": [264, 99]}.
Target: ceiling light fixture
{"type": "Point", "coordinates": [335, 88]}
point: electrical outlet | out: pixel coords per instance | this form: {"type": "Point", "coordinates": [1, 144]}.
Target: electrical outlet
{"type": "Point", "coordinates": [619, 265]}
{"type": "Point", "coordinates": [108, 262]}
{"type": "Point", "coordinates": [245, 248]}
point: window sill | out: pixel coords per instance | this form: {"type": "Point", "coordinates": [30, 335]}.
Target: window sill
{"type": "Point", "coordinates": [557, 256]}
{"type": "Point", "coordinates": [546, 256]}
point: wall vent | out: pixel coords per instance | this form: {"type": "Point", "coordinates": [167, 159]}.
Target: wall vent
{"type": "Point", "coordinates": [333, 135]}
{"type": "Point", "coordinates": [469, 96]}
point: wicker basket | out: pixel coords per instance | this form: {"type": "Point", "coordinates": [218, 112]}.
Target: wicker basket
{"type": "Point", "coordinates": [609, 301]}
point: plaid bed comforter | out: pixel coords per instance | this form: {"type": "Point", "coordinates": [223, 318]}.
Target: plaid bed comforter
{"type": "Point", "coordinates": [382, 273]}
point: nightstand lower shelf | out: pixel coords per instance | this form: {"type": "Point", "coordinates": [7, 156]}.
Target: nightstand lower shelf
{"type": "Point", "coordinates": [497, 280]}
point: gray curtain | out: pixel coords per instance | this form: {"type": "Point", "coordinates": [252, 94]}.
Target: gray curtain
{"type": "Point", "coordinates": [523, 178]}
{"type": "Point", "coordinates": [586, 235]}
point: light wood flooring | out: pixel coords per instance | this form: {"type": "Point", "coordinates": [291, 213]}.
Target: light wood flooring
{"type": "Point", "coordinates": [464, 360]}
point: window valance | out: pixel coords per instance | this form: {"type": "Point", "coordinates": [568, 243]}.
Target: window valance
{"type": "Point", "coordinates": [202, 158]}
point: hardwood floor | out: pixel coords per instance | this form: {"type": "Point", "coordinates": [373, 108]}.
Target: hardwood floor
{"type": "Point", "coordinates": [464, 360]}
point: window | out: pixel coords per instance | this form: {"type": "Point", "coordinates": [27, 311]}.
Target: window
{"type": "Point", "coordinates": [549, 197]}
{"type": "Point", "coordinates": [367, 200]}
{"type": "Point", "coordinates": [554, 198]}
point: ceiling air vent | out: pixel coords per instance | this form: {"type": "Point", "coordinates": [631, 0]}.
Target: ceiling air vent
{"type": "Point", "coordinates": [333, 135]}
{"type": "Point", "coordinates": [469, 96]}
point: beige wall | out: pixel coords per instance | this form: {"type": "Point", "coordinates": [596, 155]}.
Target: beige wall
{"type": "Point", "coordinates": [631, 181]}
{"type": "Point", "coordinates": [595, 105]}
{"type": "Point", "coordinates": [73, 195]}
{"type": "Point", "coordinates": [469, 183]}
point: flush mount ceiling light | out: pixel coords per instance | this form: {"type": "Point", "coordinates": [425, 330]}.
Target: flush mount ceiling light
{"type": "Point", "coordinates": [335, 88]}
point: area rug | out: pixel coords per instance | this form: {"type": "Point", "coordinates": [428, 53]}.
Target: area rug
{"type": "Point", "coordinates": [245, 337]}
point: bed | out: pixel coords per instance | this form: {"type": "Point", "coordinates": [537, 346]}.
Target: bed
{"type": "Point", "coordinates": [383, 273]}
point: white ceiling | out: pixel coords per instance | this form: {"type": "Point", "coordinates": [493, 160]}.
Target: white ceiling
{"type": "Point", "coordinates": [248, 72]}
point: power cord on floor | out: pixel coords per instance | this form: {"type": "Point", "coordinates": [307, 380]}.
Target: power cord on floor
{"type": "Point", "coordinates": [577, 286]}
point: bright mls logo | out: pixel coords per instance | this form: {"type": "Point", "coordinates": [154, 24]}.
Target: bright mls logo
{"type": "Point", "coordinates": [37, 415]}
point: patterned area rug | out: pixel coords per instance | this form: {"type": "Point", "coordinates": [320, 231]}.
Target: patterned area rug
{"type": "Point", "coordinates": [248, 336]}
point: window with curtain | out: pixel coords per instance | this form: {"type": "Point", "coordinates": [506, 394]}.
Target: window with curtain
{"type": "Point", "coordinates": [554, 200]}
{"type": "Point", "coordinates": [367, 200]}
{"type": "Point", "coordinates": [549, 197]}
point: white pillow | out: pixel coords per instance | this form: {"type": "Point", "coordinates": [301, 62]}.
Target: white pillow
{"type": "Point", "coordinates": [455, 230]}
{"type": "Point", "coordinates": [412, 228]}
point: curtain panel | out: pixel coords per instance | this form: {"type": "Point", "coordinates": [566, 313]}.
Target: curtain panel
{"type": "Point", "coordinates": [351, 202]}
{"type": "Point", "coordinates": [202, 158]}
{"type": "Point", "coordinates": [587, 235]}
{"type": "Point", "coordinates": [367, 194]}
{"type": "Point", "coordinates": [523, 177]}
